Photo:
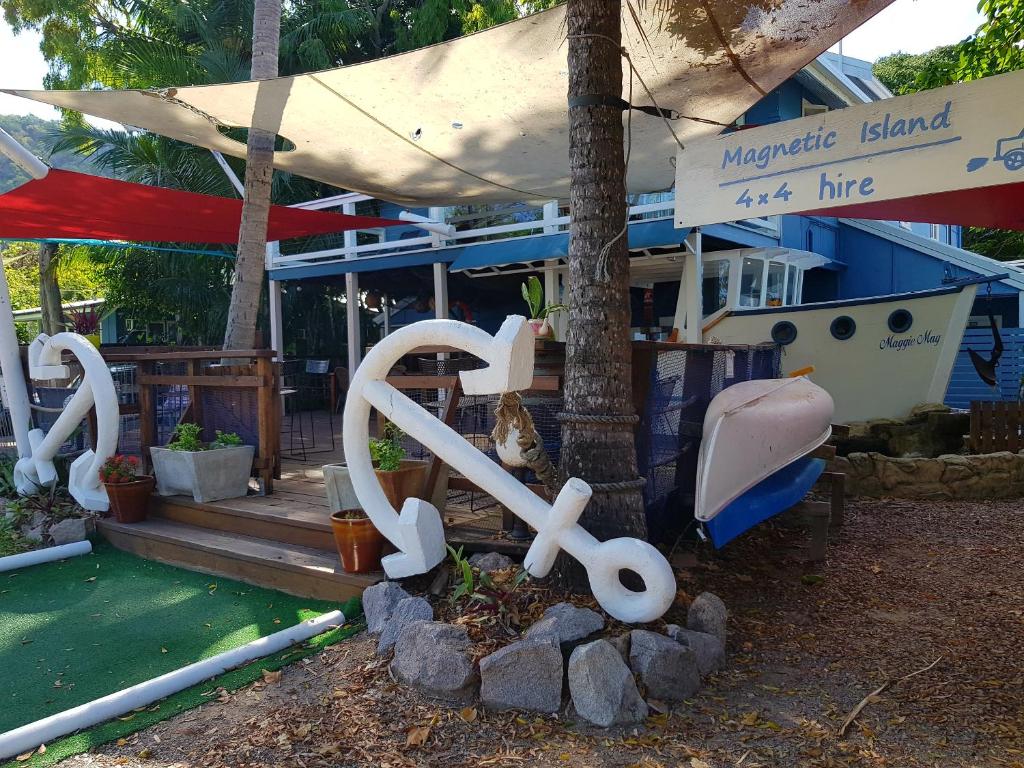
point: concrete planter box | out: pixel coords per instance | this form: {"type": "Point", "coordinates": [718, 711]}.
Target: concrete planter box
{"type": "Point", "coordinates": [341, 496]}
{"type": "Point", "coordinates": [221, 473]}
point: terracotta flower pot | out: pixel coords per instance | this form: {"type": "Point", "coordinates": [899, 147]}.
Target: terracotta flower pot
{"type": "Point", "coordinates": [405, 482]}
{"type": "Point", "coordinates": [130, 501]}
{"type": "Point", "coordinates": [541, 329]}
{"type": "Point", "coordinates": [359, 544]}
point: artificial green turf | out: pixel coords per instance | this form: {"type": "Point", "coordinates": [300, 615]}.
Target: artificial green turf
{"type": "Point", "coordinates": [190, 698]}
{"type": "Point", "coordinates": [102, 622]}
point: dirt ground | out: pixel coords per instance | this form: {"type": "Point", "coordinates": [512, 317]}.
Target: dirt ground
{"type": "Point", "coordinates": [906, 584]}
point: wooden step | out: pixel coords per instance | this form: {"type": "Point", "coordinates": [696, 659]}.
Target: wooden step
{"type": "Point", "coordinates": [274, 518]}
{"type": "Point", "coordinates": [290, 568]}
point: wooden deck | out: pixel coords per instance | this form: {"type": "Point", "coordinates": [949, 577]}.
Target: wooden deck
{"type": "Point", "coordinates": [283, 540]}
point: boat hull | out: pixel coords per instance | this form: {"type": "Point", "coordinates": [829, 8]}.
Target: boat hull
{"type": "Point", "coordinates": [751, 431]}
{"type": "Point", "coordinates": [775, 494]}
{"type": "Point", "coordinates": [881, 369]}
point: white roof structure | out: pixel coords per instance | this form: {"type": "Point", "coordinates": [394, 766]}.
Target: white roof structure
{"type": "Point", "coordinates": [483, 118]}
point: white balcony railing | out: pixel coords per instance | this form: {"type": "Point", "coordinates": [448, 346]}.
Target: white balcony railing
{"type": "Point", "coordinates": [473, 227]}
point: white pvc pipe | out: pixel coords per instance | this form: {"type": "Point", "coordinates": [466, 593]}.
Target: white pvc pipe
{"type": "Point", "coordinates": [447, 230]}
{"type": "Point", "coordinates": [12, 370]}
{"type": "Point", "coordinates": [21, 157]}
{"type": "Point", "coordinates": [47, 555]}
{"type": "Point", "coordinates": [30, 736]}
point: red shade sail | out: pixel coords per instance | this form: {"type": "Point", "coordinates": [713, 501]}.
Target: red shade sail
{"type": "Point", "coordinates": [70, 205]}
{"type": "Point", "coordinates": [998, 207]}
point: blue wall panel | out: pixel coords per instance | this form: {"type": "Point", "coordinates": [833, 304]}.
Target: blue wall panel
{"type": "Point", "coordinates": [965, 384]}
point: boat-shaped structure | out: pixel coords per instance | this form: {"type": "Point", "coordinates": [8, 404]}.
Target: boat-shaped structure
{"type": "Point", "coordinates": [757, 435]}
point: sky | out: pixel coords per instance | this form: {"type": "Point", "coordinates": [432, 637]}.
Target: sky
{"type": "Point", "coordinates": [913, 26]}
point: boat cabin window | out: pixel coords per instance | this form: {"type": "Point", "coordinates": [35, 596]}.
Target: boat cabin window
{"type": "Point", "coordinates": [750, 282]}
{"type": "Point", "coordinates": [776, 280]}
{"type": "Point", "coordinates": [715, 286]}
{"type": "Point", "coordinates": [791, 286]}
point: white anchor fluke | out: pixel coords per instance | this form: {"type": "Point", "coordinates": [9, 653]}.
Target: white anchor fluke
{"type": "Point", "coordinates": [510, 361]}
{"type": "Point", "coordinates": [418, 533]}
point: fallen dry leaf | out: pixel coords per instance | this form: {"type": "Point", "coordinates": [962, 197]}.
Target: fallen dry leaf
{"type": "Point", "coordinates": [468, 714]}
{"type": "Point", "coordinates": [271, 677]}
{"type": "Point", "coordinates": [417, 736]}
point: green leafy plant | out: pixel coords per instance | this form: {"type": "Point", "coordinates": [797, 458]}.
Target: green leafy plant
{"type": "Point", "coordinates": [119, 469]}
{"type": "Point", "coordinates": [226, 440]}
{"type": "Point", "coordinates": [464, 571]}
{"type": "Point", "coordinates": [533, 295]}
{"type": "Point", "coordinates": [8, 490]}
{"type": "Point", "coordinates": [483, 592]}
{"type": "Point", "coordinates": [187, 437]}
{"type": "Point", "coordinates": [11, 541]}
{"type": "Point", "coordinates": [386, 452]}
{"type": "Point", "coordinates": [354, 514]}
{"type": "Point", "coordinates": [54, 504]}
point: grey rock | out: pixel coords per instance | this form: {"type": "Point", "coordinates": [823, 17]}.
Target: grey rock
{"type": "Point", "coordinates": [621, 644]}
{"type": "Point", "coordinates": [407, 611]}
{"type": "Point", "coordinates": [69, 531]}
{"type": "Point", "coordinates": [567, 622]}
{"type": "Point", "coordinates": [602, 687]}
{"type": "Point", "coordinates": [709, 649]}
{"type": "Point", "coordinates": [708, 614]}
{"type": "Point", "coordinates": [32, 534]}
{"type": "Point", "coordinates": [39, 520]}
{"type": "Point", "coordinates": [379, 603]}
{"type": "Point", "coordinates": [491, 561]}
{"type": "Point", "coordinates": [434, 658]}
{"type": "Point", "coordinates": [667, 669]}
{"type": "Point", "coordinates": [524, 675]}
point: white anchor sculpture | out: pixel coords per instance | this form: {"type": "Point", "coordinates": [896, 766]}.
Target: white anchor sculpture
{"type": "Point", "coordinates": [418, 533]}
{"type": "Point", "coordinates": [36, 449]}
{"type": "Point", "coordinates": [97, 388]}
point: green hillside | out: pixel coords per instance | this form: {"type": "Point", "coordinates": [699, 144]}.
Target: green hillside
{"type": "Point", "coordinates": [35, 134]}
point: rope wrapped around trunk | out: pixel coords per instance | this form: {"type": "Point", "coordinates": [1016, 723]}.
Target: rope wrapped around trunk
{"type": "Point", "coordinates": [511, 414]}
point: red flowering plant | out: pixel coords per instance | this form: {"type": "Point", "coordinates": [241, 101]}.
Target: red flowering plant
{"type": "Point", "coordinates": [119, 469]}
{"type": "Point", "coordinates": [84, 320]}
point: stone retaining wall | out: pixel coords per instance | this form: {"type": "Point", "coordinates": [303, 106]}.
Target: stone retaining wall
{"type": "Point", "coordinates": [987, 476]}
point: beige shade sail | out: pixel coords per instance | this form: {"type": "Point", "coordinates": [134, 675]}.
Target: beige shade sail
{"type": "Point", "coordinates": [483, 118]}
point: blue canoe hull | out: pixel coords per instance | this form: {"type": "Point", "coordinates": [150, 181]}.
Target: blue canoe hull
{"type": "Point", "coordinates": [773, 495]}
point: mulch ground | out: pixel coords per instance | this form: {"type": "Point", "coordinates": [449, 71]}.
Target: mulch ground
{"type": "Point", "coordinates": [906, 584]}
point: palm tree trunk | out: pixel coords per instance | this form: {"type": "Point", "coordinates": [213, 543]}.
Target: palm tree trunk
{"type": "Point", "coordinates": [597, 426]}
{"type": "Point", "coordinates": [51, 316]}
{"type": "Point", "coordinates": [252, 233]}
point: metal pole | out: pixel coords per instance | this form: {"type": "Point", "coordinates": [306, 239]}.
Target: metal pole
{"type": "Point", "coordinates": [352, 321]}
{"type": "Point", "coordinates": [694, 271]}
{"type": "Point", "coordinates": [276, 320]}
{"type": "Point", "coordinates": [15, 391]}
{"type": "Point", "coordinates": [21, 157]}
{"type": "Point", "coordinates": [232, 176]}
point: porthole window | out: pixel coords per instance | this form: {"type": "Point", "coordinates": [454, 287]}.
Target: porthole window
{"type": "Point", "coordinates": [900, 321]}
{"type": "Point", "coordinates": [843, 327]}
{"type": "Point", "coordinates": [784, 332]}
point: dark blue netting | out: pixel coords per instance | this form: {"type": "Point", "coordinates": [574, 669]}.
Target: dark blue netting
{"type": "Point", "coordinates": [680, 381]}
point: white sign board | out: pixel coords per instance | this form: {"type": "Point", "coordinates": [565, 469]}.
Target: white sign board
{"type": "Point", "coordinates": [959, 137]}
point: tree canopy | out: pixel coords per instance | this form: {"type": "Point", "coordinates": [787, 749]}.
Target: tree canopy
{"type": "Point", "coordinates": [995, 48]}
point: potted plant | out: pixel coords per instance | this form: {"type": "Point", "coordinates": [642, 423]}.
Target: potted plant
{"type": "Point", "coordinates": [86, 321]}
{"type": "Point", "coordinates": [400, 478]}
{"type": "Point", "coordinates": [533, 294]}
{"type": "Point", "coordinates": [359, 544]}
{"type": "Point", "coordinates": [187, 465]}
{"type": "Point", "coordinates": [127, 490]}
